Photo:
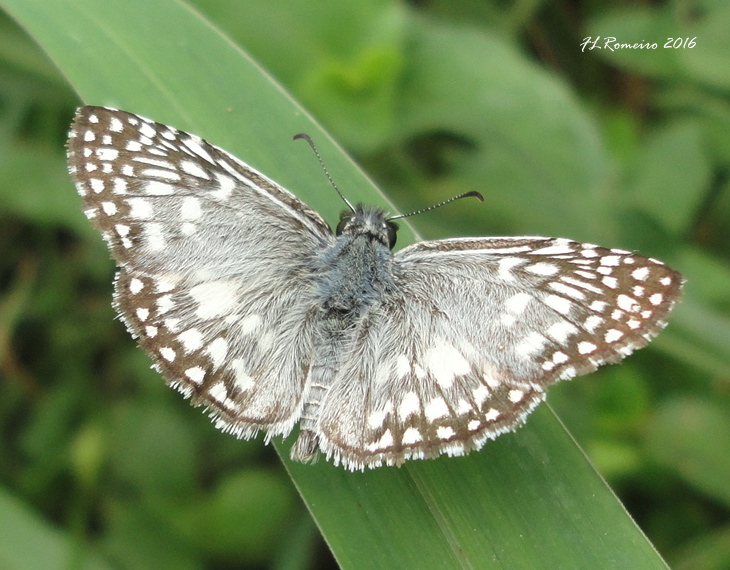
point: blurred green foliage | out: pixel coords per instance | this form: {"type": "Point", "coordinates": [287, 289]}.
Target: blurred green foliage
{"type": "Point", "coordinates": [628, 148]}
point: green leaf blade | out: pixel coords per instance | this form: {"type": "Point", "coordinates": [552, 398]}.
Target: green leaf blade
{"type": "Point", "coordinates": [527, 500]}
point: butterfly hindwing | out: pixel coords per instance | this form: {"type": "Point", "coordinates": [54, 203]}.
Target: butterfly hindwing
{"type": "Point", "coordinates": [464, 348]}
{"type": "Point", "coordinates": [214, 279]}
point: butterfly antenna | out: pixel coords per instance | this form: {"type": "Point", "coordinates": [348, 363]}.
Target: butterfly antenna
{"type": "Point", "coordinates": [473, 193]}
{"type": "Point", "coordinates": [321, 163]}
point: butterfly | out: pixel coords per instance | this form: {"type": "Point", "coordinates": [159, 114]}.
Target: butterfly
{"type": "Point", "coordinates": [250, 305]}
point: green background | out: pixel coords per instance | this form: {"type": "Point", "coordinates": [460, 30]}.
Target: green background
{"type": "Point", "coordinates": [101, 466]}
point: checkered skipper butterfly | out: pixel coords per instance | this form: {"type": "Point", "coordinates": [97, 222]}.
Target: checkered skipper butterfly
{"type": "Point", "coordinates": [250, 305]}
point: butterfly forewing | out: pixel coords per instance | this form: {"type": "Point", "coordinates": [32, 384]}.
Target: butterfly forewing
{"type": "Point", "coordinates": [215, 296]}
{"type": "Point", "coordinates": [247, 303]}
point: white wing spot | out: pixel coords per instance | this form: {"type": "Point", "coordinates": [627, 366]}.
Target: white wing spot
{"type": "Point", "coordinates": [638, 290]}
{"type": "Point", "coordinates": [611, 282]}
{"type": "Point", "coordinates": [226, 184]}
{"type": "Point", "coordinates": [97, 185]}
{"type": "Point", "coordinates": [133, 146]}
{"type": "Point", "coordinates": [376, 419]}
{"type": "Point", "coordinates": [473, 425]}
{"type": "Point", "coordinates": [542, 268]}
{"type": "Point", "coordinates": [192, 168]}
{"type": "Point", "coordinates": [561, 330]}
{"type": "Point", "coordinates": [633, 324]}
{"type": "Point", "coordinates": [481, 393]}
{"type": "Point", "coordinates": [135, 286]}
{"type": "Point", "coordinates": [598, 306]}
{"type": "Point", "coordinates": [157, 188]}
{"type": "Point", "coordinates": [656, 298]}
{"type": "Point", "coordinates": [446, 363]}
{"type": "Point", "coordinates": [445, 432]}
{"type": "Point", "coordinates": [154, 238]}
{"type": "Point", "coordinates": [110, 208]}
{"type": "Point", "coordinates": [559, 304]}
{"type": "Point", "coordinates": [195, 374]}
{"type": "Point", "coordinates": [191, 339]}
{"type": "Point", "coordinates": [560, 357]}
{"type": "Point", "coordinates": [215, 298]}
{"type": "Point", "coordinates": [193, 143]}
{"type": "Point", "coordinates": [532, 344]}
{"type": "Point", "coordinates": [516, 396]}
{"type": "Point", "coordinates": [164, 304]}
{"type": "Point", "coordinates": [436, 409]}
{"type": "Point", "coordinates": [586, 347]}
{"type": "Point", "coordinates": [411, 436]}
{"type": "Point", "coordinates": [139, 208]}
{"type": "Point", "coordinates": [120, 186]}
{"type": "Point", "coordinates": [115, 125]}
{"type": "Point", "coordinates": [627, 303]}
{"type": "Point", "coordinates": [665, 281]}
{"type": "Point", "coordinates": [385, 441]}
{"type": "Point", "coordinates": [188, 229]}
{"type": "Point", "coordinates": [592, 323]}
{"type": "Point", "coordinates": [506, 264]}
{"type": "Point", "coordinates": [507, 320]}
{"type": "Point", "coordinates": [107, 153]}
{"type": "Point", "coordinates": [402, 366]}
{"type": "Point", "coordinates": [219, 392]}
{"type": "Point", "coordinates": [147, 130]}
{"type": "Point", "coordinates": [491, 415]}
{"type": "Point", "coordinates": [517, 303]}
{"type": "Point", "coordinates": [612, 335]}
{"type": "Point", "coordinates": [167, 353]}
{"type": "Point", "coordinates": [566, 290]}
{"type": "Point", "coordinates": [143, 314]}
{"type": "Point", "coordinates": [640, 274]}
{"type": "Point", "coordinates": [163, 285]}
{"type": "Point", "coordinates": [150, 331]}
{"type": "Point", "coordinates": [217, 350]}
{"type": "Point", "coordinates": [581, 284]}
{"type": "Point", "coordinates": [408, 406]}
{"type": "Point", "coordinates": [250, 324]}
{"type": "Point", "coordinates": [243, 380]}
{"type": "Point", "coordinates": [161, 173]}
{"type": "Point", "coordinates": [612, 260]}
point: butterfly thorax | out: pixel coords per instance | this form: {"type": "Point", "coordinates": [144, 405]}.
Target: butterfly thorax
{"type": "Point", "coordinates": [356, 269]}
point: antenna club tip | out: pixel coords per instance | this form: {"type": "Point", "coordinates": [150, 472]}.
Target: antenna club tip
{"type": "Point", "coordinates": [304, 136]}
{"type": "Point", "coordinates": [476, 195]}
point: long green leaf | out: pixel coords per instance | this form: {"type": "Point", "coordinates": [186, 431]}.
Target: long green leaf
{"type": "Point", "coordinates": [528, 500]}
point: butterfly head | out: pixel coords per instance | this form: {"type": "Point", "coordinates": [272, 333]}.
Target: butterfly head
{"type": "Point", "coordinates": [369, 221]}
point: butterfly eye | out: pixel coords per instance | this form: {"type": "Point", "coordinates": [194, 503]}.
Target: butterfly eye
{"type": "Point", "coordinates": [345, 218]}
{"type": "Point", "coordinates": [392, 232]}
